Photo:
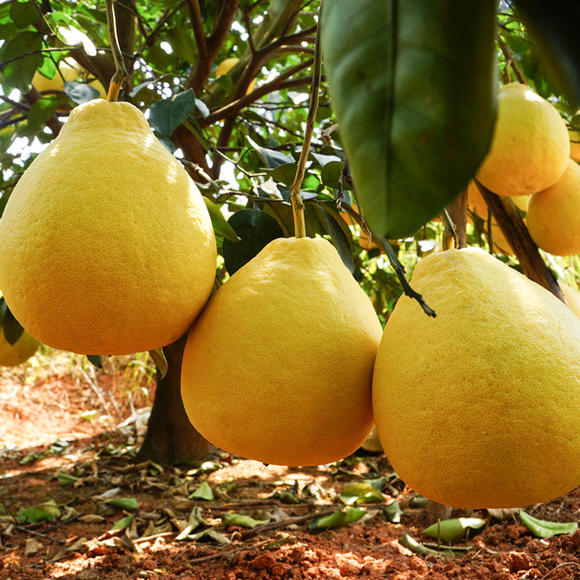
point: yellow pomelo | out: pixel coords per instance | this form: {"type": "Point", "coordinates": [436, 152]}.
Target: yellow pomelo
{"type": "Point", "coordinates": [278, 367]}
{"type": "Point", "coordinates": [480, 406]}
{"type": "Point", "coordinates": [70, 71]}
{"type": "Point", "coordinates": [572, 297]}
{"type": "Point", "coordinates": [226, 65]}
{"type": "Point", "coordinates": [554, 214]}
{"type": "Point", "coordinates": [106, 245]}
{"type": "Point", "coordinates": [530, 145]}
{"type": "Point", "coordinates": [12, 355]}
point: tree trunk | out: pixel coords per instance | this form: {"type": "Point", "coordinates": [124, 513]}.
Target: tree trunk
{"type": "Point", "coordinates": [170, 437]}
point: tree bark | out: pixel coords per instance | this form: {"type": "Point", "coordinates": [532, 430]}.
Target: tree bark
{"type": "Point", "coordinates": [516, 233]}
{"type": "Point", "coordinates": [170, 437]}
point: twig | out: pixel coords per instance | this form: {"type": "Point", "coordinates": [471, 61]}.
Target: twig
{"type": "Point", "coordinates": [457, 212]}
{"type": "Point", "coordinates": [560, 566]}
{"type": "Point", "coordinates": [400, 271]}
{"type": "Point", "coordinates": [511, 224]}
{"type": "Point", "coordinates": [287, 522]}
{"type": "Point", "coordinates": [449, 227]}
{"type": "Point", "coordinates": [233, 107]}
{"type": "Point", "coordinates": [295, 197]}
{"type": "Point", "coordinates": [510, 60]}
{"type": "Point", "coordinates": [120, 71]}
{"type": "Point", "coordinates": [39, 534]}
{"type": "Point", "coordinates": [225, 553]}
{"type": "Point", "coordinates": [252, 504]}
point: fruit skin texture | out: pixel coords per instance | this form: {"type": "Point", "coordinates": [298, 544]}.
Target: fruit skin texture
{"type": "Point", "coordinates": [554, 214]}
{"type": "Point", "coordinates": [480, 406]}
{"type": "Point", "coordinates": [106, 246]}
{"type": "Point", "coordinates": [12, 355]}
{"type": "Point", "coordinates": [278, 367]}
{"type": "Point", "coordinates": [530, 146]}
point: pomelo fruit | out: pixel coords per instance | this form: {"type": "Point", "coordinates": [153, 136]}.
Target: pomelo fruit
{"type": "Point", "coordinates": [480, 406]}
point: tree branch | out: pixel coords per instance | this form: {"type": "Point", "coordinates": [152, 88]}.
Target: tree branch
{"type": "Point", "coordinates": [197, 25]}
{"type": "Point", "coordinates": [202, 68]}
{"type": "Point", "coordinates": [235, 106]}
{"type": "Point", "coordinates": [511, 224]}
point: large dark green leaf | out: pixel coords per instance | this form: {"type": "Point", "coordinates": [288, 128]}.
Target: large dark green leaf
{"type": "Point", "coordinates": [555, 27]}
{"type": "Point", "coordinates": [255, 229]}
{"type": "Point", "coordinates": [413, 88]}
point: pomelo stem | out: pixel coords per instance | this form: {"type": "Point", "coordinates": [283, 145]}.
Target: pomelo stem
{"type": "Point", "coordinates": [296, 198]}
{"type": "Point", "coordinates": [120, 72]}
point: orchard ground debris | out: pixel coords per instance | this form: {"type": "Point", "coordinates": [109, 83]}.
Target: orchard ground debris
{"type": "Point", "coordinates": [79, 506]}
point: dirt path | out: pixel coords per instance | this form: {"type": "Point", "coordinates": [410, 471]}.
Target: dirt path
{"type": "Point", "coordinates": [107, 517]}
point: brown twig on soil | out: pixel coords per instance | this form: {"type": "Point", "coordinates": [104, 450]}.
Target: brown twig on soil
{"type": "Point", "coordinates": [226, 553]}
{"type": "Point", "coordinates": [560, 566]}
{"type": "Point", "coordinates": [287, 522]}
{"type": "Point", "coordinates": [38, 534]}
{"type": "Point", "coordinates": [252, 504]}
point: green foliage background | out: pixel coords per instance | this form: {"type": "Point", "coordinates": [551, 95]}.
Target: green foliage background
{"type": "Point", "coordinates": [240, 148]}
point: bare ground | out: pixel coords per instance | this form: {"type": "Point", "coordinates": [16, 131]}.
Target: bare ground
{"type": "Point", "coordinates": [109, 517]}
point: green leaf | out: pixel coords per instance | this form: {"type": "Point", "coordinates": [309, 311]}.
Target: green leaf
{"type": "Point", "coordinates": [241, 520]}
{"type": "Point", "coordinates": [160, 360]}
{"type": "Point", "coordinates": [123, 503]}
{"type": "Point", "coordinates": [338, 236]}
{"type": "Point", "coordinates": [18, 73]}
{"type": "Point", "coordinates": [392, 512]}
{"type": "Point", "coordinates": [546, 529]}
{"type": "Point", "coordinates": [271, 157]}
{"type": "Point", "coordinates": [96, 360]}
{"type": "Point", "coordinates": [284, 173]}
{"type": "Point", "coordinates": [124, 523]}
{"type": "Point", "coordinates": [414, 96]}
{"type": "Point", "coordinates": [219, 222]}
{"type": "Point", "coordinates": [66, 478]}
{"type": "Point", "coordinates": [10, 326]}
{"type": "Point", "coordinates": [42, 110]}
{"type": "Point", "coordinates": [255, 229]}
{"type": "Point", "coordinates": [360, 493]}
{"type": "Point", "coordinates": [554, 28]}
{"type": "Point", "coordinates": [331, 167]}
{"type": "Point", "coordinates": [80, 92]}
{"type": "Point", "coordinates": [204, 491]}
{"type": "Point", "coordinates": [45, 512]}
{"type": "Point", "coordinates": [24, 13]}
{"type": "Point", "coordinates": [455, 529]}
{"type": "Point", "coordinates": [165, 116]}
{"type": "Point", "coordinates": [337, 519]}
